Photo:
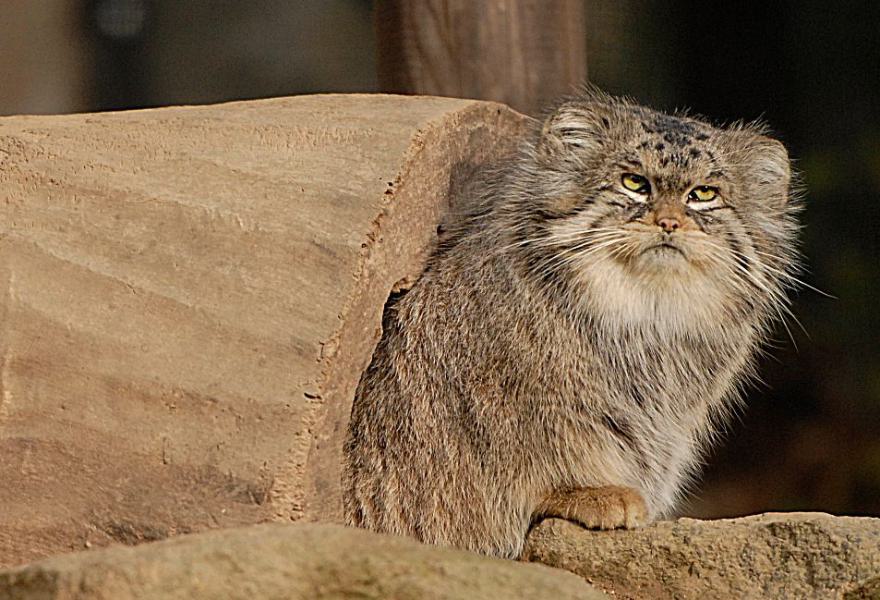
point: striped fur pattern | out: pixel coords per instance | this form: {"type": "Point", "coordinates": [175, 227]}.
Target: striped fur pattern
{"type": "Point", "coordinates": [560, 338]}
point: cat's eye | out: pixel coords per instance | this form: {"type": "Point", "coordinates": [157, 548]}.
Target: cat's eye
{"type": "Point", "coordinates": [635, 183]}
{"type": "Point", "coordinates": [703, 193]}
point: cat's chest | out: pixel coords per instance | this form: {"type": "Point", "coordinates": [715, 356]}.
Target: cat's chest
{"type": "Point", "coordinates": [648, 361]}
{"type": "Point", "coordinates": [633, 387]}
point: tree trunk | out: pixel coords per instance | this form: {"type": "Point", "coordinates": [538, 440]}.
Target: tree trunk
{"type": "Point", "coordinates": [520, 52]}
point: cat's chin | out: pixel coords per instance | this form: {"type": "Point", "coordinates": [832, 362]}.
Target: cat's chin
{"type": "Point", "coordinates": [657, 288]}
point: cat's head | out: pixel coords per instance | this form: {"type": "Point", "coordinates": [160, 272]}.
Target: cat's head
{"type": "Point", "coordinates": [640, 217]}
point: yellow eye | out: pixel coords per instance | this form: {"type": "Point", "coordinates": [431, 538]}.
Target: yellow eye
{"type": "Point", "coordinates": [703, 193]}
{"type": "Point", "coordinates": [635, 183]}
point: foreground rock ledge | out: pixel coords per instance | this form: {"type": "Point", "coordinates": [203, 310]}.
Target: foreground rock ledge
{"type": "Point", "coordinates": [290, 562]}
{"type": "Point", "coordinates": [774, 555]}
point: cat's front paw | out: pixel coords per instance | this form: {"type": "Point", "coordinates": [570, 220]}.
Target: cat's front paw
{"type": "Point", "coordinates": [606, 507]}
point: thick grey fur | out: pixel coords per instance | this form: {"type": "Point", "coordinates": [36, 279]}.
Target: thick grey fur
{"type": "Point", "coordinates": [559, 339]}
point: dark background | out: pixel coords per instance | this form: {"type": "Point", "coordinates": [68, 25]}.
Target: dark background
{"type": "Point", "coordinates": [808, 439]}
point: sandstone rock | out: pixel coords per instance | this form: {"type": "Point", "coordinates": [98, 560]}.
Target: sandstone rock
{"type": "Point", "coordinates": [290, 562]}
{"type": "Point", "coordinates": [188, 298]}
{"type": "Point", "coordinates": [785, 555]}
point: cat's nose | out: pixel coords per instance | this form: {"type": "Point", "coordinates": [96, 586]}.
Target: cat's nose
{"type": "Point", "coordinates": [669, 224]}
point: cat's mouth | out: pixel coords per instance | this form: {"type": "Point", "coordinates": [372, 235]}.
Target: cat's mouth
{"type": "Point", "coordinates": [665, 248]}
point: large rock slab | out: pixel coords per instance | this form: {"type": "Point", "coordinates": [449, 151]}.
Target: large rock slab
{"type": "Point", "coordinates": [188, 298]}
{"type": "Point", "coordinates": [773, 555]}
{"type": "Point", "coordinates": [289, 562]}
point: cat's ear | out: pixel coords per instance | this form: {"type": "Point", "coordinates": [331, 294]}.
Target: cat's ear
{"type": "Point", "coordinates": [763, 163]}
{"type": "Point", "coordinates": [771, 166]}
{"type": "Point", "coordinates": [571, 132]}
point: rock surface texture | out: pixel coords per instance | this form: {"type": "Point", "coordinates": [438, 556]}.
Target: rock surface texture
{"type": "Point", "coordinates": [289, 562]}
{"type": "Point", "coordinates": [188, 298]}
{"type": "Point", "coordinates": [773, 555]}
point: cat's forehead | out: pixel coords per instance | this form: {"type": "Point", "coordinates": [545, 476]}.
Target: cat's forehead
{"type": "Point", "coordinates": [677, 149]}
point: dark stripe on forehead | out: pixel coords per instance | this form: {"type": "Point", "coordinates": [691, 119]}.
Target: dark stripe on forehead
{"type": "Point", "coordinates": [674, 125]}
{"type": "Point", "coordinates": [676, 139]}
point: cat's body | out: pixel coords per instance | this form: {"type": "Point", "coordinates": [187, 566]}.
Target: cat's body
{"type": "Point", "coordinates": [572, 348]}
